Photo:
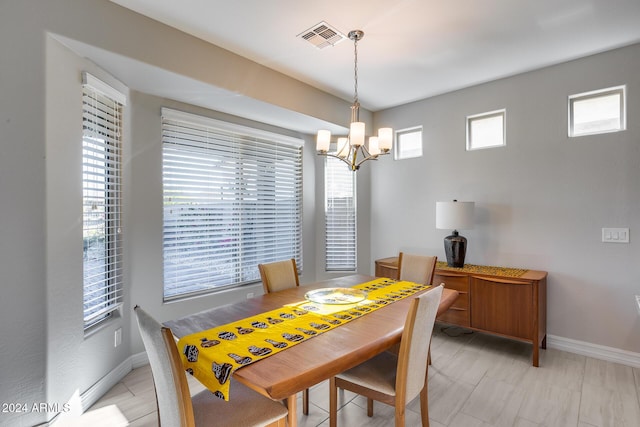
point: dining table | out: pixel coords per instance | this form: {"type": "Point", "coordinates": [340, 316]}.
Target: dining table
{"type": "Point", "coordinates": [282, 375]}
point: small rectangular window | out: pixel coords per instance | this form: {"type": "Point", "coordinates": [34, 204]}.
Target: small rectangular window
{"type": "Point", "coordinates": [408, 143]}
{"type": "Point", "coordinates": [486, 130]}
{"type": "Point", "coordinates": [599, 111]}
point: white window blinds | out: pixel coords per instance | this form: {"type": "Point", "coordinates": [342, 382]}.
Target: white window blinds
{"type": "Point", "coordinates": [102, 199]}
{"type": "Point", "coordinates": [232, 200]}
{"type": "Point", "coordinates": [340, 216]}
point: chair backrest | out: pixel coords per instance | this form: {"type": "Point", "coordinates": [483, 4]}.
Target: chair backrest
{"type": "Point", "coordinates": [172, 390]}
{"type": "Point", "coordinates": [414, 346]}
{"type": "Point", "coordinates": [416, 268]}
{"type": "Point", "coordinates": [279, 275]}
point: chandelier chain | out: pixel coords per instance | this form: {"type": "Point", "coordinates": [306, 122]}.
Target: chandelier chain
{"type": "Point", "coordinates": [355, 70]}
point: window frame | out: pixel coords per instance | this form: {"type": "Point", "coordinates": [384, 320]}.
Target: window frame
{"type": "Point", "coordinates": [224, 151]}
{"type": "Point", "coordinates": [599, 93]}
{"type": "Point", "coordinates": [483, 116]}
{"type": "Point", "coordinates": [397, 153]}
{"type": "Point", "coordinates": [102, 147]}
{"type": "Point", "coordinates": [334, 253]}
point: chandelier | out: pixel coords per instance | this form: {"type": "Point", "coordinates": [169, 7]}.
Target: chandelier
{"type": "Point", "coordinates": [351, 149]}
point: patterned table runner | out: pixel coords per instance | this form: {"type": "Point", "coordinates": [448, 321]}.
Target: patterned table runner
{"type": "Point", "coordinates": [484, 269]}
{"type": "Point", "coordinates": [213, 355]}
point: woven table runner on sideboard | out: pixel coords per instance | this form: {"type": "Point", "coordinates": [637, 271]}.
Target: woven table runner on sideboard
{"type": "Point", "coordinates": [484, 269]}
{"type": "Point", "coordinates": [213, 355]}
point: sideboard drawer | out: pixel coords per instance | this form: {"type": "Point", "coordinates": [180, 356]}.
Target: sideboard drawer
{"type": "Point", "coordinates": [458, 314]}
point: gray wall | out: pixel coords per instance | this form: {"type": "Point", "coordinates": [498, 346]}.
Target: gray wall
{"type": "Point", "coordinates": [44, 353]}
{"type": "Point", "coordinates": [541, 201]}
{"type": "Point", "coordinates": [74, 361]}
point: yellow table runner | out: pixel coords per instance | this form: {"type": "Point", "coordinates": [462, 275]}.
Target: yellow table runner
{"type": "Point", "coordinates": [213, 355]}
{"type": "Point", "coordinates": [484, 269]}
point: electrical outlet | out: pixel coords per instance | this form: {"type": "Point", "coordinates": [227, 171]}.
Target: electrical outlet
{"type": "Point", "coordinates": [117, 337]}
{"type": "Point", "coordinates": [250, 295]}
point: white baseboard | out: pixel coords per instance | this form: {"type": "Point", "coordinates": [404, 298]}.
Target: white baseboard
{"type": "Point", "coordinates": [99, 389]}
{"type": "Point", "coordinates": [139, 359]}
{"type": "Point", "coordinates": [105, 384]}
{"type": "Point", "coordinates": [93, 394]}
{"type": "Point", "coordinates": [596, 351]}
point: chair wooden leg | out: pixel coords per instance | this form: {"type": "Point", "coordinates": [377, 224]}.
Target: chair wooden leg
{"type": "Point", "coordinates": [424, 405]}
{"type": "Point", "coordinates": [333, 403]}
{"type": "Point", "coordinates": [292, 416]}
{"type": "Point", "coordinates": [400, 411]}
{"type": "Point", "coordinates": [369, 407]}
{"type": "Point", "coordinates": [305, 401]}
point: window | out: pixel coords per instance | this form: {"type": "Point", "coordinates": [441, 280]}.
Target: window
{"type": "Point", "coordinates": [486, 130]}
{"type": "Point", "coordinates": [596, 112]}
{"type": "Point", "coordinates": [232, 200]}
{"type": "Point", "coordinates": [408, 143]}
{"type": "Point", "coordinates": [340, 216]}
{"type": "Point", "coordinates": [101, 199]}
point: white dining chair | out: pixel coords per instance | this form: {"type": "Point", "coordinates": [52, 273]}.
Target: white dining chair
{"type": "Point", "coordinates": [277, 276]}
{"type": "Point", "coordinates": [177, 408]}
{"type": "Point", "coordinates": [416, 268]}
{"type": "Point", "coordinates": [395, 379]}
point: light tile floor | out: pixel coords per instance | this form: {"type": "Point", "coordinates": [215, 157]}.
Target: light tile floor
{"type": "Point", "coordinates": [476, 380]}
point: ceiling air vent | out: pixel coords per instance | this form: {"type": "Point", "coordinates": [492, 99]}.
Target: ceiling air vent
{"type": "Point", "coordinates": [322, 35]}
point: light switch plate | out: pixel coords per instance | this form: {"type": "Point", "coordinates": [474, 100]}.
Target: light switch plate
{"type": "Point", "coordinates": [615, 235]}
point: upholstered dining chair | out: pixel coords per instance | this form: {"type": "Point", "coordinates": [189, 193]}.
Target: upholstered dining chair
{"type": "Point", "coordinates": [277, 276]}
{"type": "Point", "coordinates": [416, 268]}
{"type": "Point", "coordinates": [177, 408]}
{"type": "Point", "coordinates": [420, 269]}
{"type": "Point", "coordinates": [395, 379]}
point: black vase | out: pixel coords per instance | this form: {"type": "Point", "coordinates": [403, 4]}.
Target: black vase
{"type": "Point", "coordinates": [455, 247]}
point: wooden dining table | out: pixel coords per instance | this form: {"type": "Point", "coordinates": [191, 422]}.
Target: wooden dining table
{"type": "Point", "coordinates": [284, 374]}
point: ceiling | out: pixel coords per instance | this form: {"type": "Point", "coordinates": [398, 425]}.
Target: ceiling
{"type": "Point", "coordinates": [412, 49]}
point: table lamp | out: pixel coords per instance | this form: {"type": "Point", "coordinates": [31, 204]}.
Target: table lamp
{"type": "Point", "coordinates": [457, 216]}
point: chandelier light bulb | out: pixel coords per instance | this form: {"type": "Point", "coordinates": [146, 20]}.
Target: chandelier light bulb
{"type": "Point", "coordinates": [374, 148]}
{"type": "Point", "coordinates": [356, 134]}
{"type": "Point", "coordinates": [385, 136]}
{"type": "Point", "coordinates": [323, 140]}
{"type": "Point", "coordinates": [343, 147]}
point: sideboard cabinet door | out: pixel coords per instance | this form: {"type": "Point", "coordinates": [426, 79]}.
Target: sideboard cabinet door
{"type": "Point", "coordinates": [503, 307]}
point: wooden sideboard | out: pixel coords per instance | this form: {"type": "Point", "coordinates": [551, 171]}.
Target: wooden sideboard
{"type": "Point", "coordinates": [508, 302]}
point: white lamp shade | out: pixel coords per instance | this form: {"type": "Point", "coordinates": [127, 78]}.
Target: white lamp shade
{"type": "Point", "coordinates": [454, 215]}
{"type": "Point", "coordinates": [385, 137]}
{"type": "Point", "coordinates": [343, 147]}
{"type": "Point", "coordinates": [356, 134]}
{"type": "Point", "coordinates": [323, 140]}
{"type": "Point", "coordinates": [374, 148]}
